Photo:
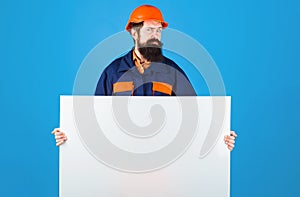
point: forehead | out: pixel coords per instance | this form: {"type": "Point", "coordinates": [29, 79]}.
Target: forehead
{"type": "Point", "coordinates": [152, 23]}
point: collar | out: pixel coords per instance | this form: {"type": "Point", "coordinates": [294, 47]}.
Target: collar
{"type": "Point", "coordinates": [141, 65]}
{"type": "Point", "coordinates": [127, 63]}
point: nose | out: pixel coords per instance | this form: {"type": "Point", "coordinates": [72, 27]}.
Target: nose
{"type": "Point", "coordinates": [155, 34]}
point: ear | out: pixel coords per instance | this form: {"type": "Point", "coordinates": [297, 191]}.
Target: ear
{"type": "Point", "coordinates": [134, 34]}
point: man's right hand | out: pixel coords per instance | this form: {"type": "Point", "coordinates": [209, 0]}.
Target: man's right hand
{"type": "Point", "coordinates": [59, 136]}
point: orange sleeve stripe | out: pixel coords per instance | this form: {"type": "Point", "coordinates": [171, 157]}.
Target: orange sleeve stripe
{"type": "Point", "coordinates": [162, 87]}
{"type": "Point", "coordinates": [123, 86]}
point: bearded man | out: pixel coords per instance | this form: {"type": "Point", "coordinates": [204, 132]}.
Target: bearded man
{"type": "Point", "coordinates": [144, 71]}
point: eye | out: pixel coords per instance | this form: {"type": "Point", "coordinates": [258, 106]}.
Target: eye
{"type": "Point", "coordinates": [159, 30]}
{"type": "Point", "coordinates": [148, 29]}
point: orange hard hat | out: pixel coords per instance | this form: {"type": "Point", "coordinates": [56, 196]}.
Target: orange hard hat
{"type": "Point", "coordinates": [146, 12]}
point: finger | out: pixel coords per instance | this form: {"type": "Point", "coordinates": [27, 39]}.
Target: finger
{"type": "Point", "coordinates": [59, 140]}
{"type": "Point", "coordinates": [232, 133]}
{"type": "Point", "coordinates": [60, 134]}
{"type": "Point", "coordinates": [60, 137]}
{"type": "Point", "coordinates": [230, 148]}
{"type": "Point", "coordinates": [60, 143]}
{"type": "Point", "coordinates": [55, 130]}
{"type": "Point", "coordinates": [230, 141]}
{"type": "Point", "coordinates": [226, 141]}
{"type": "Point", "coordinates": [229, 138]}
{"type": "Point", "coordinates": [230, 145]}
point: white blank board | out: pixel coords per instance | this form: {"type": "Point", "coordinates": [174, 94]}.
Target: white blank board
{"type": "Point", "coordinates": [89, 168]}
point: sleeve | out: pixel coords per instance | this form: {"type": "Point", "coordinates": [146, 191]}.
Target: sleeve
{"type": "Point", "coordinates": [104, 86]}
{"type": "Point", "coordinates": [183, 86]}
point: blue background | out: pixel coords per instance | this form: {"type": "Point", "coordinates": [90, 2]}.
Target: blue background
{"type": "Point", "coordinates": [254, 43]}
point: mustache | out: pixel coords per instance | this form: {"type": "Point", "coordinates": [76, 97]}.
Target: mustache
{"type": "Point", "coordinates": [153, 42]}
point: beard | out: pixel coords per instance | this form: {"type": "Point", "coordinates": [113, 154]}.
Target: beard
{"type": "Point", "coordinates": [151, 50]}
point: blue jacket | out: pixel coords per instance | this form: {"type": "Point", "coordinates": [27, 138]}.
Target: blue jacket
{"type": "Point", "coordinates": [121, 78]}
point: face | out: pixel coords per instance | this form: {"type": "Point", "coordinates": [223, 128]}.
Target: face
{"type": "Point", "coordinates": [151, 30]}
{"type": "Point", "coordinates": [147, 40]}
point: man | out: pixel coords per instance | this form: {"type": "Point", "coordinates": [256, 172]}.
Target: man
{"type": "Point", "coordinates": [144, 71]}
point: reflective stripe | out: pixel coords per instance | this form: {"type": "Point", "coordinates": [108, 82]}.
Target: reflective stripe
{"type": "Point", "coordinates": [123, 86]}
{"type": "Point", "coordinates": [162, 87]}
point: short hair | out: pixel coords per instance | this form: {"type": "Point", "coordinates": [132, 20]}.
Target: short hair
{"type": "Point", "coordinates": [136, 26]}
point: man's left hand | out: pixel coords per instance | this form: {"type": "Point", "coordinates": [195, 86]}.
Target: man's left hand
{"type": "Point", "coordinates": [230, 140]}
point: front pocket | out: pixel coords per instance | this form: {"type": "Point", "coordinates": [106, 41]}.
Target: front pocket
{"type": "Point", "coordinates": [123, 88]}
{"type": "Point", "coordinates": [161, 87]}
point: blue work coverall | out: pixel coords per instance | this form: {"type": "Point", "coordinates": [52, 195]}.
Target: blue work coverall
{"type": "Point", "coordinates": [165, 78]}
